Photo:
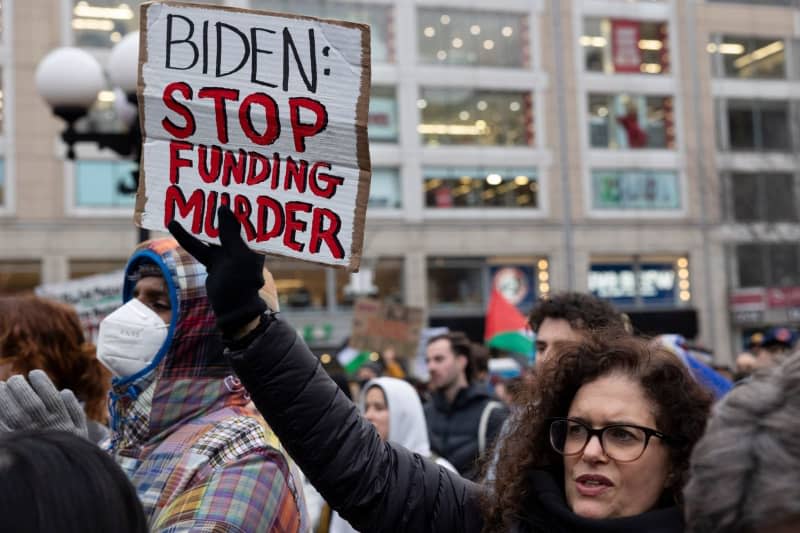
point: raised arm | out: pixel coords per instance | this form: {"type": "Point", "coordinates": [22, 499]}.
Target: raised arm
{"type": "Point", "coordinates": [372, 484]}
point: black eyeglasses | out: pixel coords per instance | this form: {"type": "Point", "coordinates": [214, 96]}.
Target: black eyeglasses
{"type": "Point", "coordinates": [623, 443]}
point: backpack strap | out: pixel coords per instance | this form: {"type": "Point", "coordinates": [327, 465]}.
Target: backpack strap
{"type": "Point", "coordinates": [483, 426]}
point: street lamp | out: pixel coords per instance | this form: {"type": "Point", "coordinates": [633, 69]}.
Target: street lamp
{"type": "Point", "coordinates": [69, 79]}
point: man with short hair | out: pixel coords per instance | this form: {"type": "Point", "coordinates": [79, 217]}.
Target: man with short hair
{"type": "Point", "coordinates": [463, 420]}
{"type": "Point", "coordinates": [567, 316]}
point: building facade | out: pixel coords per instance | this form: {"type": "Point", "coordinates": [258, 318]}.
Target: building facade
{"type": "Point", "coordinates": [643, 150]}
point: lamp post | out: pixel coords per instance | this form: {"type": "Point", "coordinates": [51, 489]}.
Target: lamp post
{"type": "Point", "coordinates": [69, 79]}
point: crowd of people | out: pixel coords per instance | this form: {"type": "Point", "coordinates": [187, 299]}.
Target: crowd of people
{"type": "Point", "coordinates": [221, 419]}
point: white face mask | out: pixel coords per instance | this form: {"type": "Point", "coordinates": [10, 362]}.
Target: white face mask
{"type": "Point", "coordinates": [129, 338]}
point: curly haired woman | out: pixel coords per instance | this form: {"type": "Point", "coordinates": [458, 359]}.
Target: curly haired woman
{"type": "Point", "coordinates": [44, 334]}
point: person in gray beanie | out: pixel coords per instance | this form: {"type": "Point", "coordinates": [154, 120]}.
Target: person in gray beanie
{"type": "Point", "coordinates": [743, 473]}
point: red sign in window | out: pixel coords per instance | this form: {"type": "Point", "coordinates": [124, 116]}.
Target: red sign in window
{"type": "Point", "coordinates": [625, 50]}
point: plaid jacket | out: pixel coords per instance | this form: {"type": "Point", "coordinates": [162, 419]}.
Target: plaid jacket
{"type": "Point", "coordinates": [198, 452]}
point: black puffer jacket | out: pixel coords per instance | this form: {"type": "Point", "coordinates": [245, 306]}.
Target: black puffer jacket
{"type": "Point", "coordinates": [453, 428]}
{"type": "Point", "coordinates": [372, 484]}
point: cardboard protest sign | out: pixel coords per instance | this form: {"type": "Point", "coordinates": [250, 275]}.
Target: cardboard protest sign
{"type": "Point", "coordinates": [378, 326]}
{"type": "Point", "coordinates": [264, 112]}
{"type": "Point", "coordinates": [93, 297]}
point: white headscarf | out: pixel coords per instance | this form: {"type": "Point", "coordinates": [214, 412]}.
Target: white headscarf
{"type": "Point", "coordinates": [407, 426]}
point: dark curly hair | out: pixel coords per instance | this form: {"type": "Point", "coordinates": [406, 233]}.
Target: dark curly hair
{"type": "Point", "coordinates": [582, 311]}
{"type": "Point", "coordinates": [682, 407]}
{"type": "Point", "coordinates": [44, 334]}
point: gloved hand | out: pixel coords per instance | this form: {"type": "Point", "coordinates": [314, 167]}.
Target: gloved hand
{"type": "Point", "coordinates": [39, 405]}
{"type": "Point", "coordinates": [234, 272]}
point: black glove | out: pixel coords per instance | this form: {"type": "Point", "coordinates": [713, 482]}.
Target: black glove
{"type": "Point", "coordinates": [235, 272]}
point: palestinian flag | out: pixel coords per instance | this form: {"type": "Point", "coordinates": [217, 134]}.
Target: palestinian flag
{"type": "Point", "coordinates": [506, 328]}
{"type": "Point", "coordinates": [352, 359]}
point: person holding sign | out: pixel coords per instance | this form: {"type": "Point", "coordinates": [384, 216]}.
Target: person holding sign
{"type": "Point", "coordinates": [603, 443]}
{"type": "Point", "coordinates": [183, 428]}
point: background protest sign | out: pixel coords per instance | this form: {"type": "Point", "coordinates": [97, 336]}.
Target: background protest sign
{"type": "Point", "coordinates": [380, 325]}
{"type": "Point", "coordinates": [93, 297]}
{"type": "Point", "coordinates": [264, 112]}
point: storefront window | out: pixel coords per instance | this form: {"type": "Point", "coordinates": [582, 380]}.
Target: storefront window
{"type": "Point", "coordinates": [641, 281]}
{"type": "Point", "coordinates": [748, 57]}
{"type": "Point", "coordinates": [379, 18]}
{"type": "Point", "coordinates": [301, 286]}
{"type": "Point", "coordinates": [19, 276]}
{"type": "Point", "coordinates": [457, 116]}
{"type": "Point", "coordinates": [768, 265]}
{"type": "Point", "coordinates": [385, 191]}
{"type": "Point", "coordinates": [456, 284]}
{"type": "Point", "coordinates": [763, 197]}
{"type": "Point", "coordinates": [470, 37]}
{"type": "Point", "coordinates": [635, 189]}
{"type": "Point", "coordinates": [631, 121]}
{"type": "Point", "coordinates": [103, 23]}
{"type": "Point", "coordinates": [381, 279]}
{"type": "Point", "coordinates": [383, 125]}
{"type": "Point", "coordinates": [620, 46]}
{"type": "Point", "coordinates": [481, 187]}
{"type": "Point", "coordinates": [103, 183]}
{"type": "Point", "coordinates": [758, 125]}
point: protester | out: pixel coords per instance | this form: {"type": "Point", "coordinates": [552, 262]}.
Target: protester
{"type": "Point", "coordinates": [568, 316]}
{"type": "Point", "coordinates": [775, 345]}
{"type": "Point", "coordinates": [463, 419]}
{"type": "Point", "coordinates": [714, 382]}
{"type": "Point", "coordinates": [743, 474]}
{"type": "Point", "coordinates": [184, 429]}
{"type": "Point", "coordinates": [56, 481]}
{"type": "Point", "coordinates": [377, 485]}
{"type": "Point", "coordinates": [393, 407]}
{"type": "Point", "coordinates": [39, 333]}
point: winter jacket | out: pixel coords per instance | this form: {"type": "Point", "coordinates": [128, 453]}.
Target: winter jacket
{"type": "Point", "coordinates": [407, 427]}
{"type": "Point", "coordinates": [184, 430]}
{"type": "Point", "coordinates": [454, 428]}
{"type": "Point", "coordinates": [378, 486]}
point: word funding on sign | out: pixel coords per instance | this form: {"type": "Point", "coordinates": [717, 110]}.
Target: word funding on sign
{"type": "Point", "coordinates": [262, 112]}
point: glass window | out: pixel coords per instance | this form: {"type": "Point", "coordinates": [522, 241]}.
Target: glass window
{"type": "Point", "coordinates": [631, 121]}
{"type": "Point", "coordinates": [385, 191]}
{"type": "Point", "coordinates": [635, 189]}
{"type": "Point", "coordinates": [104, 183]}
{"type": "Point", "coordinates": [381, 279]}
{"type": "Point", "coordinates": [455, 283]}
{"type": "Point", "coordinates": [481, 187]}
{"type": "Point", "coordinates": [379, 17]}
{"type": "Point", "coordinates": [382, 125]}
{"type": "Point", "coordinates": [748, 57]}
{"type": "Point", "coordinates": [470, 116]}
{"type": "Point", "coordinates": [768, 265]}
{"type": "Point", "coordinates": [616, 46]}
{"type": "Point", "coordinates": [19, 276]}
{"type": "Point", "coordinates": [102, 23]}
{"type": "Point", "coordinates": [470, 37]}
{"type": "Point", "coordinates": [758, 125]}
{"type": "Point", "coordinates": [767, 197]}
{"type": "Point", "coordinates": [300, 285]}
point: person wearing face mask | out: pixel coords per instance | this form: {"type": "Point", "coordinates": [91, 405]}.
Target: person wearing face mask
{"type": "Point", "coordinates": [183, 427]}
{"type": "Point", "coordinates": [603, 444]}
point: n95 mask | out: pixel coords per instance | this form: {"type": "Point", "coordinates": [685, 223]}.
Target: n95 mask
{"type": "Point", "coordinates": [130, 338]}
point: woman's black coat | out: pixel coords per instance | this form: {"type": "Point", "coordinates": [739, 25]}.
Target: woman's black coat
{"type": "Point", "coordinates": [374, 485]}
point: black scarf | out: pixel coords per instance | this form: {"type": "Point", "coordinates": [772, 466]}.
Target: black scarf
{"type": "Point", "coordinates": [546, 511]}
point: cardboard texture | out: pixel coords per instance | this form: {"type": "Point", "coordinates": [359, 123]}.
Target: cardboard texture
{"type": "Point", "coordinates": [264, 112]}
{"type": "Point", "coordinates": [380, 325]}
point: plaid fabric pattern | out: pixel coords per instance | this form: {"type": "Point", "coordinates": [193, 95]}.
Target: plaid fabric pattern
{"type": "Point", "coordinates": [199, 454]}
